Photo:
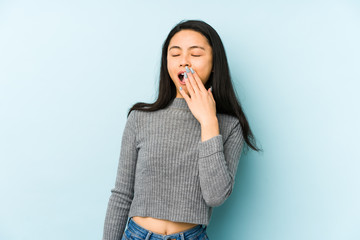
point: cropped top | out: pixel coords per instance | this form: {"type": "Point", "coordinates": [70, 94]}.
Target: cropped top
{"type": "Point", "coordinates": [165, 171]}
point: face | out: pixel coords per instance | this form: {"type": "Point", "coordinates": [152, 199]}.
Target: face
{"type": "Point", "coordinates": [188, 48]}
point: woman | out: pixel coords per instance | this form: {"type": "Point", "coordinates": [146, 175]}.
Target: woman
{"type": "Point", "coordinates": [179, 155]}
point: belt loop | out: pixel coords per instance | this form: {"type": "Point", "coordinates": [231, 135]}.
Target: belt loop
{"type": "Point", "coordinates": [182, 236]}
{"type": "Point", "coordinates": [148, 235]}
{"type": "Point", "coordinates": [127, 223]}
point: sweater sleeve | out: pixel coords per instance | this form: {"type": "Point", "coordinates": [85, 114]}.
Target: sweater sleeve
{"type": "Point", "coordinates": [123, 192]}
{"type": "Point", "coordinates": [218, 163]}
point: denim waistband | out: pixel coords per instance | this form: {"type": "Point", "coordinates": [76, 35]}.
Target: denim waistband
{"type": "Point", "coordinates": [147, 234]}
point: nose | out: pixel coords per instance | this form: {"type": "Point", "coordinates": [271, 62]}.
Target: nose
{"type": "Point", "coordinates": [185, 61]}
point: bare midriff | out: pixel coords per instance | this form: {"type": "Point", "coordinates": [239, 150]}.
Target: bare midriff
{"type": "Point", "coordinates": [160, 226]}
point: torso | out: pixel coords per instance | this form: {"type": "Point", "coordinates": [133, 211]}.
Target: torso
{"type": "Point", "coordinates": [161, 226]}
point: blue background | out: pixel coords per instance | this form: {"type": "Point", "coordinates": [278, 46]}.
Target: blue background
{"type": "Point", "coordinates": [70, 70]}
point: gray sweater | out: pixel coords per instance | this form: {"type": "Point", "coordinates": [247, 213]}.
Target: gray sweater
{"type": "Point", "coordinates": [165, 171]}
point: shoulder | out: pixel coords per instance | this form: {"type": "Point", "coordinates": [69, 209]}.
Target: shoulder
{"type": "Point", "coordinates": [143, 117]}
{"type": "Point", "coordinates": [140, 118]}
{"type": "Point", "coordinates": [132, 116]}
{"type": "Point", "coordinates": [230, 126]}
{"type": "Point", "coordinates": [227, 121]}
{"type": "Point", "coordinates": [132, 119]}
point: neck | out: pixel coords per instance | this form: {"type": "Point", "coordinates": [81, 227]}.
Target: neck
{"type": "Point", "coordinates": [179, 103]}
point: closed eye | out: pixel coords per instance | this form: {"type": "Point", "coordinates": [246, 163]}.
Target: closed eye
{"type": "Point", "coordinates": [191, 55]}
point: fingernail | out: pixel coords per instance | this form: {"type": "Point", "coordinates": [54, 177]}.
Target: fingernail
{"type": "Point", "coordinates": [185, 75]}
{"type": "Point", "coordinates": [192, 71]}
{"type": "Point", "coordinates": [187, 69]}
{"type": "Point", "coordinates": [180, 88]}
{"type": "Point", "coordinates": [210, 88]}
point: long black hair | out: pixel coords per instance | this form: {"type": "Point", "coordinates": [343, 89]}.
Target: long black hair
{"type": "Point", "coordinates": [220, 80]}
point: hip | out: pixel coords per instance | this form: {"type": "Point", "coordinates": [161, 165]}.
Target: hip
{"type": "Point", "coordinates": [133, 231]}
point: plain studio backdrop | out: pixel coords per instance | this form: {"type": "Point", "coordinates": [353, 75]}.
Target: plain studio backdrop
{"type": "Point", "coordinates": [70, 70]}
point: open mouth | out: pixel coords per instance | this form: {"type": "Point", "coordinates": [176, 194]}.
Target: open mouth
{"type": "Point", "coordinates": [181, 77]}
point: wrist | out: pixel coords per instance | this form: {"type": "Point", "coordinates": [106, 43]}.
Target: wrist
{"type": "Point", "coordinates": [210, 121]}
{"type": "Point", "coordinates": [209, 129]}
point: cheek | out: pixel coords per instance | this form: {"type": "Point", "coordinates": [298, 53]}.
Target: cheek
{"type": "Point", "coordinates": [204, 64]}
{"type": "Point", "coordinates": [205, 69]}
{"type": "Point", "coordinates": [170, 65]}
{"type": "Point", "coordinates": [205, 72]}
{"type": "Point", "coordinates": [169, 69]}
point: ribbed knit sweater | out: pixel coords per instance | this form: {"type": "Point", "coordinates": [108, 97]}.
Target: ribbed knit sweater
{"type": "Point", "coordinates": [165, 171]}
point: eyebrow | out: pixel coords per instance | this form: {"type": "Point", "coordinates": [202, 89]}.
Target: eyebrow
{"type": "Point", "coordinates": [188, 48]}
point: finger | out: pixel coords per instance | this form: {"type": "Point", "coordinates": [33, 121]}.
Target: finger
{"type": "Point", "coordinates": [193, 83]}
{"type": "Point", "coordinates": [188, 85]}
{"type": "Point", "coordinates": [198, 80]}
{"type": "Point", "coordinates": [210, 92]}
{"type": "Point", "coordinates": [185, 96]}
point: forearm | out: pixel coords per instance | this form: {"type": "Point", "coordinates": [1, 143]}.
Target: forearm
{"type": "Point", "coordinates": [116, 216]}
{"type": "Point", "coordinates": [209, 129]}
{"type": "Point", "coordinates": [218, 164]}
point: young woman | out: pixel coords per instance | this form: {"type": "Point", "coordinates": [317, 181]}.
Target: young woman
{"type": "Point", "coordinates": [179, 155]}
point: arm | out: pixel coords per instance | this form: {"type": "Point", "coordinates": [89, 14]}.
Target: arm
{"type": "Point", "coordinates": [123, 192]}
{"type": "Point", "coordinates": [218, 163]}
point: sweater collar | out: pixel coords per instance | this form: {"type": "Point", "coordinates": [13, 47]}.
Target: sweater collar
{"type": "Point", "coordinates": [179, 103]}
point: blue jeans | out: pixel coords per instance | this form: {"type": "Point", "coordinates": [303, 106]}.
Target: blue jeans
{"type": "Point", "coordinates": [135, 232]}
